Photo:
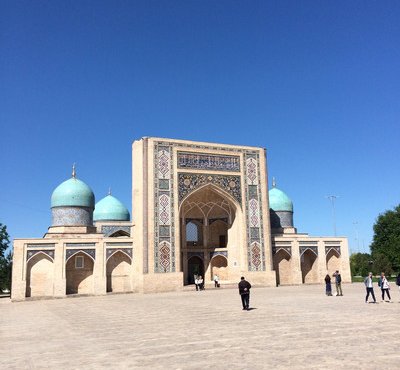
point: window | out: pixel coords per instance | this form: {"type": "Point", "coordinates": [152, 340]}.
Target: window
{"type": "Point", "coordinates": [79, 262]}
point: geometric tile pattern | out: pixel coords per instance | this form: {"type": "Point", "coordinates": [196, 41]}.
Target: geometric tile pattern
{"type": "Point", "coordinates": [47, 252]}
{"type": "Point", "coordinates": [287, 249]}
{"type": "Point", "coordinates": [312, 248]}
{"type": "Point", "coordinates": [188, 182]}
{"type": "Point", "coordinates": [164, 233]}
{"type": "Point", "coordinates": [71, 252]}
{"type": "Point", "coordinates": [108, 230]}
{"type": "Point", "coordinates": [219, 253]}
{"type": "Point", "coordinates": [329, 248]}
{"type": "Point", "coordinates": [208, 161]}
{"type": "Point", "coordinates": [255, 232]}
{"type": "Point", "coordinates": [111, 251]}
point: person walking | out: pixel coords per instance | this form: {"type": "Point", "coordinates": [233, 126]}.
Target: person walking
{"type": "Point", "coordinates": [244, 291]}
{"type": "Point", "coordinates": [216, 281]}
{"type": "Point", "coordinates": [398, 281]}
{"type": "Point", "coordinates": [328, 285]}
{"type": "Point", "coordinates": [338, 283]}
{"type": "Point", "coordinates": [369, 287]}
{"type": "Point", "coordinates": [384, 284]}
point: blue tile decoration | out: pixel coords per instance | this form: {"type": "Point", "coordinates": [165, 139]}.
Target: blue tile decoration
{"type": "Point", "coordinates": [254, 212]}
{"type": "Point", "coordinates": [219, 253]}
{"type": "Point", "coordinates": [201, 161]}
{"type": "Point", "coordinates": [111, 251]}
{"type": "Point", "coordinates": [72, 216]}
{"type": "Point", "coordinates": [312, 248]}
{"type": "Point", "coordinates": [188, 182]}
{"type": "Point", "coordinates": [329, 248]}
{"type": "Point", "coordinates": [164, 224]}
{"type": "Point", "coordinates": [108, 230]}
{"type": "Point", "coordinates": [287, 249]}
{"type": "Point", "coordinates": [41, 245]}
{"type": "Point", "coordinates": [71, 252]}
{"type": "Point", "coordinates": [32, 253]}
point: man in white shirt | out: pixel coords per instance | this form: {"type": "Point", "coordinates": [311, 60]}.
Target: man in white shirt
{"type": "Point", "coordinates": [370, 288]}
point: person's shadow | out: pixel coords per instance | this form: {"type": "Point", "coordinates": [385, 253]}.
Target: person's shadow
{"type": "Point", "coordinates": [251, 308]}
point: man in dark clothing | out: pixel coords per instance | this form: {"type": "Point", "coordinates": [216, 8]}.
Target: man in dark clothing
{"type": "Point", "coordinates": [338, 283]}
{"type": "Point", "coordinates": [244, 291]}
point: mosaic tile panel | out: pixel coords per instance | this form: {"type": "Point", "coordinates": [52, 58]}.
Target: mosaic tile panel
{"type": "Point", "coordinates": [208, 161]}
{"type": "Point", "coordinates": [164, 249]}
{"type": "Point", "coordinates": [72, 252]}
{"type": "Point", "coordinates": [329, 248]}
{"type": "Point", "coordinates": [287, 249]}
{"type": "Point", "coordinates": [108, 230]}
{"type": "Point", "coordinates": [312, 248]}
{"type": "Point", "coordinates": [219, 253]}
{"type": "Point", "coordinates": [255, 232]}
{"type": "Point", "coordinates": [111, 251]}
{"type": "Point", "coordinates": [47, 252]}
{"type": "Point", "coordinates": [188, 182]}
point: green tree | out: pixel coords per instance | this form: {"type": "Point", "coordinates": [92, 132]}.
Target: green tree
{"type": "Point", "coordinates": [360, 264]}
{"type": "Point", "coordinates": [386, 241]}
{"type": "Point", "coordinates": [381, 263]}
{"type": "Point", "coordinates": [5, 259]}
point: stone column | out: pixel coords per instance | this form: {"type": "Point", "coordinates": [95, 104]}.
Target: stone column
{"type": "Point", "coordinates": [18, 287]}
{"type": "Point", "coordinates": [99, 270]}
{"type": "Point", "coordinates": [60, 279]}
{"type": "Point", "coordinates": [322, 271]}
{"type": "Point", "coordinates": [296, 263]}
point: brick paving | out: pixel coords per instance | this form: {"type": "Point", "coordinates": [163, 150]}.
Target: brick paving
{"type": "Point", "coordinates": [289, 327]}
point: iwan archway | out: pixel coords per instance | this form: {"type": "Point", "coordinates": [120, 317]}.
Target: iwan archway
{"type": "Point", "coordinates": [210, 227]}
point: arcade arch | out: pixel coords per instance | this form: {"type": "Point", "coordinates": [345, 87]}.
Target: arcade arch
{"type": "Point", "coordinates": [210, 220]}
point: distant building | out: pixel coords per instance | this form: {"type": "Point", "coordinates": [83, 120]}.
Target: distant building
{"type": "Point", "coordinates": [197, 209]}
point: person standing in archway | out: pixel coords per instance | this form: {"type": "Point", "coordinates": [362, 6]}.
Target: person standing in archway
{"type": "Point", "coordinates": [216, 281]}
{"type": "Point", "coordinates": [244, 291]}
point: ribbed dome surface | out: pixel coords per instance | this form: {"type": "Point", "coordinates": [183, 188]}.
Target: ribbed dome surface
{"type": "Point", "coordinates": [279, 201]}
{"type": "Point", "coordinates": [110, 209]}
{"type": "Point", "coordinates": [72, 192]}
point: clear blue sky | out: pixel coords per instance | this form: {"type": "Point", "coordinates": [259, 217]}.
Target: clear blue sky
{"type": "Point", "coordinates": [315, 82]}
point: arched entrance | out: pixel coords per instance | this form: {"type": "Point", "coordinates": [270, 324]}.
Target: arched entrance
{"type": "Point", "coordinates": [332, 261]}
{"type": "Point", "coordinates": [39, 276]}
{"type": "Point", "coordinates": [309, 269]}
{"type": "Point", "coordinates": [118, 273]}
{"type": "Point", "coordinates": [209, 225]}
{"type": "Point", "coordinates": [79, 274]}
{"type": "Point", "coordinates": [195, 267]}
{"type": "Point", "coordinates": [282, 266]}
{"type": "Point", "coordinates": [219, 266]}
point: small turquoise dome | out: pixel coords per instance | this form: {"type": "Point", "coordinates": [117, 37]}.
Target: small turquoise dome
{"type": "Point", "coordinates": [110, 209]}
{"type": "Point", "coordinates": [279, 201]}
{"type": "Point", "coordinates": [72, 192]}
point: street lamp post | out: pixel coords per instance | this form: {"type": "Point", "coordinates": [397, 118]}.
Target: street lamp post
{"type": "Point", "coordinates": [332, 199]}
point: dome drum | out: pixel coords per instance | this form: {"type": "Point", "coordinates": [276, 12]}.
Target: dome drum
{"type": "Point", "coordinates": [281, 219]}
{"type": "Point", "coordinates": [72, 216]}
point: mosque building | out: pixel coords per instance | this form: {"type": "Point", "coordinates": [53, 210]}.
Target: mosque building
{"type": "Point", "coordinates": [197, 209]}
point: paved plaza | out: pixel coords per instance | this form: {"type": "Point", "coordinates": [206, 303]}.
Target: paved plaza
{"type": "Point", "coordinates": [288, 327]}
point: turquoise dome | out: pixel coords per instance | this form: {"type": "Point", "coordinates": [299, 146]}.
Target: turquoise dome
{"type": "Point", "coordinates": [110, 209]}
{"type": "Point", "coordinates": [72, 192]}
{"type": "Point", "coordinates": [279, 201]}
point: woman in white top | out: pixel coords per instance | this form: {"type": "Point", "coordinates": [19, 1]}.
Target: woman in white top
{"type": "Point", "coordinates": [385, 287]}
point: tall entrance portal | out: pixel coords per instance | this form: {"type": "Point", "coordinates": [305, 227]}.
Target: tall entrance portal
{"type": "Point", "coordinates": [208, 224]}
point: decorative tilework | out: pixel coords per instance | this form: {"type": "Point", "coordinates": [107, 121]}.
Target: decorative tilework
{"type": "Point", "coordinates": [329, 248]}
{"type": "Point", "coordinates": [164, 249]}
{"type": "Point", "coordinates": [208, 161]}
{"type": "Point", "coordinates": [251, 171]}
{"type": "Point", "coordinates": [219, 253]}
{"type": "Point", "coordinates": [188, 182]}
{"type": "Point", "coordinates": [312, 248]}
{"type": "Point", "coordinates": [164, 211]}
{"type": "Point", "coordinates": [255, 232]}
{"type": "Point", "coordinates": [287, 249]}
{"type": "Point", "coordinates": [111, 251]}
{"type": "Point", "coordinates": [108, 230]}
{"type": "Point", "coordinates": [71, 252]}
{"type": "Point", "coordinates": [47, 252]}
{"type": "Point", "coordinates": [50, 245]}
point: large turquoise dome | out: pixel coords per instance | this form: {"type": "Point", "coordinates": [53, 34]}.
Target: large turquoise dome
{"type": "Point", "coordinates": [279, 201]}
{"type": "Point", "coordinates": [110, 209]}
{"type": "Point", "coordinates": [72, 192]}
